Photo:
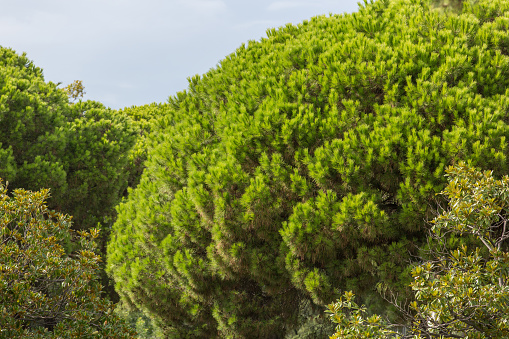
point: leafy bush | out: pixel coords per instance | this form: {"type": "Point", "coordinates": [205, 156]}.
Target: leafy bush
{"type": "Point", "coordinates": [459, 293]}
{"type": "Point", "coordinates": [45, 293]}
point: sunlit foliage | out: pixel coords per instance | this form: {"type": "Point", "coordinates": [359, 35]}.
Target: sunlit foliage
{"type": "Point", "coordinates": [308, 163]}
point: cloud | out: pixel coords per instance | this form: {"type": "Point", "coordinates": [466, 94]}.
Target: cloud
{"type": "Point", "coordinates": [257, 23]}
{"type": "Point", "coordinates": [320, 5]}
{"type": "Point", "coordinates": [153, 45]}
{"type": "Point", "coordinates": [204, 5]}
{"type": "Point", "coordinates": [126, 85]}
{"type": "Point", "coordinates": [284, 5]}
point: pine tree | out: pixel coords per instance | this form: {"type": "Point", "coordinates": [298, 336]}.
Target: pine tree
{"type": "Point", "coordinates": [85, 153]}
{"type": "Point", "coordinates": [308, 163]}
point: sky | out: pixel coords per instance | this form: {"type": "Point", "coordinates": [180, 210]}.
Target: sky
{"type": "Point", "coordinates": [135, 52]}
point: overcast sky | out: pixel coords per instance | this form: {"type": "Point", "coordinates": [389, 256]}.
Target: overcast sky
{"type": "Point", "coordinates": [134, 52]}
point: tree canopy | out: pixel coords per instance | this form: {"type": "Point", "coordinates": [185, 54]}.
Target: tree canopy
{"type": "Point", "coordinates": [308, 163]}
{"type": "Point", "coordinates": [85, 153]}
{"type": "Point", "coordinates": [79, 151]}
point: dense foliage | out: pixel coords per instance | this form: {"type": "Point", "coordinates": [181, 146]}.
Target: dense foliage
{"type": "Point", "coordinates": [80, 151]}
{"type": "Point", "coordinates": [45, 293]}
{"type": "Point", "coordinates": [31, 111]}
{"type": "Point", "coordinates": [144, 120]}
{"type": "Point", "coordinates": [459, 293]}
{"type": "Point", "coordinates": [85, 153]}
{"type": "Point", "coordinates": [307, 163]}
{"type": "Point", "coordinates": [304, 165]}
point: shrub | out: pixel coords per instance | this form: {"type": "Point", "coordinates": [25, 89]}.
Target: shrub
{"type": "Point", "coordinates": [460, 292]}
{"type": "Point", "coordinates": [45, 293]}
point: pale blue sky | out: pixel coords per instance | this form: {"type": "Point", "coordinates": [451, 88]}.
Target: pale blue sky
{"type": "Point", "coordinates": [134, 52]}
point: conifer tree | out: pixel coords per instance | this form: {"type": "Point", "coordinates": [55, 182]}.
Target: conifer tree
{"type": "Point", "coordinates": [30, 110]}
{"type": "Point", "coordinates": [85, 153]}
{"type": "Point", "coordinates": [308, 163]}
{"type": "Point", "coordinates": [80, 151]}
